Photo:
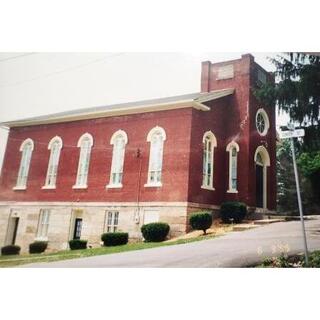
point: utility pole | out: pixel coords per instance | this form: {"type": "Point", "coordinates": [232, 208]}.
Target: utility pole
{"type": "Point", "coordinates": [291, 134]}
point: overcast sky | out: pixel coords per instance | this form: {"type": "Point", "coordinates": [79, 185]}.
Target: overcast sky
{"type": "Point", "coordinates": [33, 84]}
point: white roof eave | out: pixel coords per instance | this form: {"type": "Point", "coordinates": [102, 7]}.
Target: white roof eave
{"type": "Point", "coordinates": [196, 103]}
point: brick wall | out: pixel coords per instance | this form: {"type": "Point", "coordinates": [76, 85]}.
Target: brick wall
{"type": "Point", "coordinates": [177, 124]}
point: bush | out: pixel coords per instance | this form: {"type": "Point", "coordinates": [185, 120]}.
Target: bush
{"type": "Point", "coordinates": [115, 238]}
{"type": "Point", "coordinates": [77, 244]}
{"type": "Point", "coordinates": [201, 221]}
{"type": "Point", "coordinates": [233, 211]}
{"type": "Point", "coordinates": [38, 246]}
{"type": "Point", "coordinates": [10, 250]}
{"type": "Point", "coordinates": [155, 232]}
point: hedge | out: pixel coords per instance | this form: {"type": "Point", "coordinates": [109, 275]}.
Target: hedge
{"type": "Point", "coordinates": [10, 250]}
{"type": "Point", "coordinates": [233, 211]}
{"type": "Point", "coordinates": [201, 221]}
{"type": "Point", "coordinates": [38, 246]}
{"type": "Point", "coordinates": [114, 238]}
{"type": "Point", "coordinates": [155, 232]}
{"type": "Point", "coordinates": [77, 244]}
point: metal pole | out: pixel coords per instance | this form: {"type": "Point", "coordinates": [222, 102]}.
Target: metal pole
{"type": "Point", "coordinates": [299, 202]}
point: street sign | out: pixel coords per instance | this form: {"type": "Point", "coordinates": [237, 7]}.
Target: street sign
{"type": "Point", "coordinates": [291, 134]}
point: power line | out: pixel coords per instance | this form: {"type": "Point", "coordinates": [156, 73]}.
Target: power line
{"type": "Point", "coordinates": [17, 57]}
{"type": "Point", "coordinates": [60, 71]}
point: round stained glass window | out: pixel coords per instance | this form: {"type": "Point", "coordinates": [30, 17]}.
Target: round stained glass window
{"type": "Point", "coordinates": [262, 122]}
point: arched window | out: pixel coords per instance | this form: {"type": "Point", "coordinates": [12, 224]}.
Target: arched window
{"type": "Point", "coordinates": [209, 143]}
{"type": "Point", "coordinates": [85, 144]}
{"type": "Point", "coordinates": [262, 162]}
{"type": "Point", "coordinates": [26, 148]}
{"type": "Point", "coordinates": [262, 122]}
{"type": "Point", "coordinates": [119, 140]}
{"type": "Point", "coordinates": [233, 149]}
{"type": "Point", "coordinates": [55, 146]}
{"type": "Point", "coordinates": [156, 137]}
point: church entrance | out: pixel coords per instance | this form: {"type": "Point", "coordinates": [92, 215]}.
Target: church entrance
{"type": "Point", "coordinates": [259, 186]}
{"type": "Point", "coordinates": [262, 162]}
{"type": "Point", "coordinates": [12, 230]}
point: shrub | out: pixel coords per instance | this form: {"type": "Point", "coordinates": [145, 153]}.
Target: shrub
{"type": "Point", "coordinates": [38, 246]}
{"type": "Point", "coordinates": [314, 259]}
{"type": "Point", "coordinates": [115, 238]}
{"type": "Point", "coordinates": [77, 244]}
{"type": "Point", "coordinates": [10, 250]}
{"type": "Point", "coordinates": [155, 232]}
{"type": "Point", "coordinates": [233, 211]}
{"type": "Point", "coordinates": [201, 221]}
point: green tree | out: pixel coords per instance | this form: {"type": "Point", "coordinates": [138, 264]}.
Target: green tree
{"type": "Point", "coordinates": [297, 92]}
{"type": "Point", "coordinates": [286, 184]}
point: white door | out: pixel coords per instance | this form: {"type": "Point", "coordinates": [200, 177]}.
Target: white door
{"type": "Point", "coordinates": [151, 216]}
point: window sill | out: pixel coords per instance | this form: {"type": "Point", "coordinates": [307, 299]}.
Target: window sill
{"type": "Point", "coordinates": [48, 187]}
{"type": "Point", "coordinates": [153, 185]}
{"type": "Point", "coordinates": [19, 188]}
{"type": "Point", "coordinates": [41, 239]}
{"type": "Point", "coordinates": [114, 186]}
{"type": "Point", "coordinates": [208, 188]}
{"type": "Point", "coordinates": [232, 191]}
{"type": "Point", "coordinates": [80, 187]}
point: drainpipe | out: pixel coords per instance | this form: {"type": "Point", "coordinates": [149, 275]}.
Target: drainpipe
{"type": "Point", "coordinates": [137, 215]}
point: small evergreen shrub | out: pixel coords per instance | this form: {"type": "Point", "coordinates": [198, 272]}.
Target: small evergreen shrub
{"type": "Point", "coordinates": [115, 238]}
{"type": "Point", "coordinates": [78, 244]}
{"type": "Point", "coordinates": [10, 250]}
{"type": "Point", "coordinates": [201, 221]}
{"type": "Point", "coordinates": [38, 246]}
{"type": "Point", "coordinates": [155, 232]}
{"type": "Point", "coordinates": [233, 211]}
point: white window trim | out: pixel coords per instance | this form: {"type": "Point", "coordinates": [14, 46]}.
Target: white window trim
{"type": "Point", "coordinates": [213, 145]}
{"type": "Point", "coordinates": [229, 148]}
{"type": "Point", "coordinates": [112, 185]}
{"type": "Point", "coordinates": [84, 186]}
{"type": "Point", "coordinates": [17, 188]}
{"type": "Point", "coordinates": [157, 129]}
{"type": "Point", "coordinates": [208, 188]}
{"type": "Point", "coordinates": [23, 144]}
{"type": "Point", "coordinates": [39, 238]}
{"type": "Point", "coordinates": [84, 136]}
{"type": "Point", "coordinates": [266, 120]}
{"type": "Point", "coordinates": [113, 226]}
{"type": "Point", "coordinates": [52, 141]}
{"type": "Point", "coordinates": [153, 185]}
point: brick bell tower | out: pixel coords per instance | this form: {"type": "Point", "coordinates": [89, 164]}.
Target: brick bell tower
{"type": "Point", "coordinates": [257, 156]}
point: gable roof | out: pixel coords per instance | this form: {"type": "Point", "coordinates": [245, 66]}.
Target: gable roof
{"type": "Point", "coordinates": [194, 100]}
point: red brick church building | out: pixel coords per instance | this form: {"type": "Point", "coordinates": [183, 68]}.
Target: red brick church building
{"type": "Point", "coordinates": [81, 173]}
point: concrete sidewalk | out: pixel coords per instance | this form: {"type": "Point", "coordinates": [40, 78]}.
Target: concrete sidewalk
{"type": "Point", "coordinates": [236, 249]}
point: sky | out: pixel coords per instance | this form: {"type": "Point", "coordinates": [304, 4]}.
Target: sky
{"type": "Point", "coordinates": [34, 84]}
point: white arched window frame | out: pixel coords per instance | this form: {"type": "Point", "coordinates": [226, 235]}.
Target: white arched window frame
{"type": "Point", "coordinates": [233, 149]}
{"type": "Point", "coordinates": [156, 137]}
{"type": "Point", "coordinates": [209, 143]}
{"type": "Point", "coordinates": [119, 141]}
{"type": "Point", "coordinates": [55, 146]}
{"type": "Point", "coordinates": [262, 122]}
{"type": "Point", "coordinates": [262, 158]}
{"type": "Point", "coordinates": [26, 149]}
{"type": "Point", "coordinates": [85, 144]}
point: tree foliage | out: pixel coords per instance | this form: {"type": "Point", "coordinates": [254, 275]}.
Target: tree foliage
{"type": "Point", "coordinates": [286, 184]}
{"type": "Point", "coordinates": [297, 88]}
{"type": "Point", "coordinates": [297, 92]}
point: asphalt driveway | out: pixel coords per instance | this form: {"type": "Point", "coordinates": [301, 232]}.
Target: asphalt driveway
{"type": "Point", "coordinates": [236, 249]}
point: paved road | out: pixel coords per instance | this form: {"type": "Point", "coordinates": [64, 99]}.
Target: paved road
{"type": "Point", "coordinates": [236, 249]}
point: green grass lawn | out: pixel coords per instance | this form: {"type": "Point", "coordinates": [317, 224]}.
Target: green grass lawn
{"type": "Point", "coordinates": [11, 261]}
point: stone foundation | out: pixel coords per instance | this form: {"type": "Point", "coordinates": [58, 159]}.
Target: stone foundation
{"type": "Point", "coordinates": [94, 220]}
